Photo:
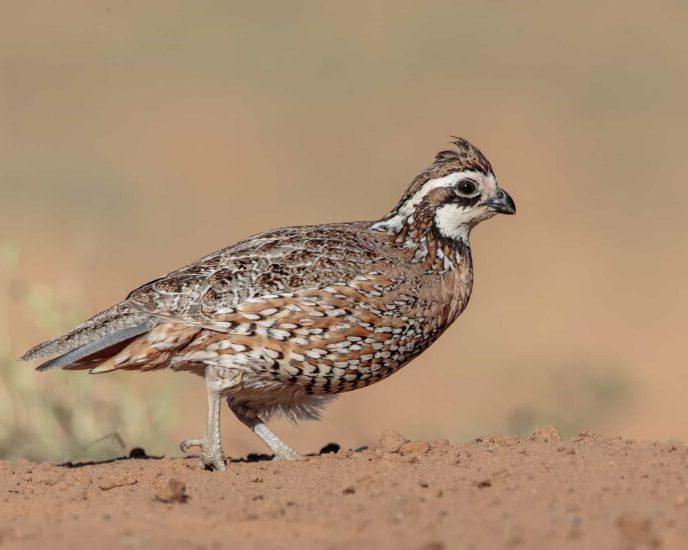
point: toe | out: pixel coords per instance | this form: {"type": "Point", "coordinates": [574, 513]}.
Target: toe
{"type": "Point", "coordinates": [188, 443]}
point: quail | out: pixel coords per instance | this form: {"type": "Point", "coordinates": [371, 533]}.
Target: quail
{"type": "Point", "coordinates": [283, 321]}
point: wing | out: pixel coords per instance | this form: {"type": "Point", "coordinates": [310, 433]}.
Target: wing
{"type": "Point", "coordinates": [278, 262]}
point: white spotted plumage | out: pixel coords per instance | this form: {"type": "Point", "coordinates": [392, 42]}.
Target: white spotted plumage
{"type": "Point", "coordinates": [283, 321]}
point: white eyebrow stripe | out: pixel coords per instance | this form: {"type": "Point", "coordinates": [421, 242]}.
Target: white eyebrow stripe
{"type": "Point", "coordinates": [445, 181]}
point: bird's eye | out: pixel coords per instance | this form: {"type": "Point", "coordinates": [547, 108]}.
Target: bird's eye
{"type": "Point", "coordinates": [466, 187]}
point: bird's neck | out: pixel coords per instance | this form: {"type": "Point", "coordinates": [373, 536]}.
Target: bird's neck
{"type": "Point", "coordinates": [417, 234]}
{"type": "Point", "coordinates": [418, 238]}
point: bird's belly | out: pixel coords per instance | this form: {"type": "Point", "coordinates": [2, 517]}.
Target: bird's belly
{"type": "Point", "coordinates": [327, 364]}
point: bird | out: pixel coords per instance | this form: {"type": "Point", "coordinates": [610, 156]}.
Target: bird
{"type": "Point", "coordinates": [284, 321]}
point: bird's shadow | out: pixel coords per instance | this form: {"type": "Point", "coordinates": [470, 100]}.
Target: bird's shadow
{"type": "Point", "coordinates": [137, 453]}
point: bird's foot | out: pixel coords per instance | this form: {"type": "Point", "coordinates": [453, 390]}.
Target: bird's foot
{"type": "Point", "coordinates": [211, 455]}
{"type": "Point", "coordinates": [287, 453]}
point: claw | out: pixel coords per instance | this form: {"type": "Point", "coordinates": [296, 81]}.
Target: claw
{"type": "Point", "coordinates": [188, 443]}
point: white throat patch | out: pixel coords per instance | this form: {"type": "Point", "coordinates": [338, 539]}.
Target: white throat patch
{"type": "Point", "coordinates": [453, 222]}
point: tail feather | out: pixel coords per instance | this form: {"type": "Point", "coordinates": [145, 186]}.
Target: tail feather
{"type": "Point", "coordinates": [89, 355]}
{"type": "Point", "coordinates": [105, 323]}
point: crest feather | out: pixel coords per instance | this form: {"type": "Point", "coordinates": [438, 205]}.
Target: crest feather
{"type": "Point", "coordinates": [465, 153]}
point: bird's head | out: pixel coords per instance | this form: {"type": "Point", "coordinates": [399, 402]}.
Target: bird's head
{"type": "Point", "coordinates": [455, 193]}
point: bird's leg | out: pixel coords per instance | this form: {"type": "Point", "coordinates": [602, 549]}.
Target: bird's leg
{"type": "Point", "coordinates": [211, 444]}
{"type": "Point", "coordinates": [280, 448]}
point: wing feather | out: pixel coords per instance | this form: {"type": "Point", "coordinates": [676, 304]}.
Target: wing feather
{"type": "Point", "coordinates": [275, 263]}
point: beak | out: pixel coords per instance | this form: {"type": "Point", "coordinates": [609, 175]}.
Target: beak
{"type": "Point", "coordinates": [502, 203]}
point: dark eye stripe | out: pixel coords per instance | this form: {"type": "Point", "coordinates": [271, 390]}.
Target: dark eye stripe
{"type": "Point", "coordinates": [466, 202]}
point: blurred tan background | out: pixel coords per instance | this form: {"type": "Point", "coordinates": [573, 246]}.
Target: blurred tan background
{"type": "Point", "coordinates": [137, 136]}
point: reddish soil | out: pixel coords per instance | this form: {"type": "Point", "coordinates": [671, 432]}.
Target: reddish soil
{"type": "Point", "coordinates": [498, 492]}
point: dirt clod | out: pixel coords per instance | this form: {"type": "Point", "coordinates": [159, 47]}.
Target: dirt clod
{"type": "Point", "coordinates": [138, 452]}
{"type": "Point", "coordinates": [391, 441]}
{"type": "Point", "coordinates": [330, 448]}
{"type": "Point", "coordinates": [112, 482]}
{"type": "Point", "coordinates": [414, 448]}
{"type": "Point", "coordinates": [172, 491]}
{"type": "Point", "coordinates": [483, 483]}
{"type": "Point", "coordinates": [548, 434]}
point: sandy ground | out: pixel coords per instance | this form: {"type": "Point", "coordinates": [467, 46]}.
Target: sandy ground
{"type": "Point", "coordinates": [497, 492]}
